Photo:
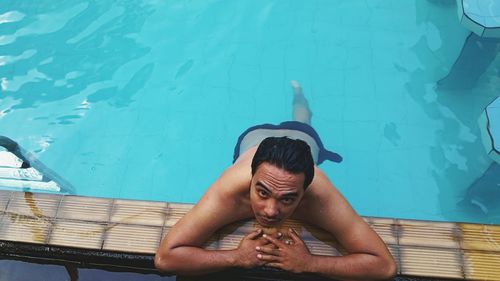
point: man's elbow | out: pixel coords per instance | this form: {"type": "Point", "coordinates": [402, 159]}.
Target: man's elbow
{"type": "Point", "coordinates": [162, 262]}
{"type": "Point", "coordinates": [389, 270]}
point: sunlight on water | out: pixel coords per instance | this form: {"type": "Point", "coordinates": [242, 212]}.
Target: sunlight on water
{"type": "Point", "coordinates": [146, 100]}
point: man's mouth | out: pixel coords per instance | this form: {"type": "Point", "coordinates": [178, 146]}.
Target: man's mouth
{"type": "Point", "coordinates": [268, 222]}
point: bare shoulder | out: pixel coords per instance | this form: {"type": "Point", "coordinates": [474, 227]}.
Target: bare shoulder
{"type": "Point", "coordinates": [224, 202]}
{"type": "Point", "coordinates": [324, 206]}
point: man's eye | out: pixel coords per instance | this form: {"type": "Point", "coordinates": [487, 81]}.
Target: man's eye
{"type": "Point", "coordinates": [262, 193]}
{"type": "Point", "coordinates": [287, 200]}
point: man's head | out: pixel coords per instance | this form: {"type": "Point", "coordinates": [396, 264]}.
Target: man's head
{"type": "Point", "coordinates": [282, 169]}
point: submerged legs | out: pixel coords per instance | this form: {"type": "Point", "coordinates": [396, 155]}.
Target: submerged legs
{"type": "Point", "coordinates": [301, 111]}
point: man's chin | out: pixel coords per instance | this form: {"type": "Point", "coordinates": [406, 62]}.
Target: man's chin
{"type": "Point", "coordinates": [268, 224]}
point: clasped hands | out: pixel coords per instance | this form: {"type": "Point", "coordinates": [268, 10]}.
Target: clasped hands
{"type": "Point", "coordinates": [257, 249]}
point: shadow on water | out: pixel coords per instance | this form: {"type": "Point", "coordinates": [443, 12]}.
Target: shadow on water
{"type": "Point", "coordinates": [458, 157]}
{"type": "Point", "coordinates": [481, 197]}
{"type": "Point", "coordinates": [476, 56]}
{"type": "Point", "coordinates": [81, 52]}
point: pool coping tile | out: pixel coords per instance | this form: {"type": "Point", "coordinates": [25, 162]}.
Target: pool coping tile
{"type": "Point", "coordinates": [33, 204]}
{"type": "Point", "coordinates": [22, 228]}
{"type": "Point", "coordinates": [132, 238]}
{"type": "Point", "coordinates": [4, 199]}
{"type": "Point", "coordinates": [139, 212]}
{"type": "Point", "coordinates": [84, 208]}
{"type": "Point", "coordinates": [78, 234]}
{"type": "Point", "coordinates": [420, 248]}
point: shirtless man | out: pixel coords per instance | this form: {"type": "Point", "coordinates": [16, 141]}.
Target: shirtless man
{"type": "Point", "coordinates": [273, 179]}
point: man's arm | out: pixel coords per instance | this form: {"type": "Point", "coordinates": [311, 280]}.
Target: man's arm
{"type": "Point", "coordinates": [367, 256]}
{"type": "Point", "coordinates": [225, 202]}
{"type": "Point", "coordinates": [181, 250]}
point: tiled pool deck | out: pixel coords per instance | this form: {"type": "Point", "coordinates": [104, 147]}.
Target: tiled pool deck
{"type": "Point", "coordinates": [102, 231]}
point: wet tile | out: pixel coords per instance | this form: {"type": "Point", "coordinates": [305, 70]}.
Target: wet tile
{"type": "Point", "coordinates": [302, 228]}
{"type": "Point", "coordinates": [430, 262]}
{"type": "Point", "coordinates": [229, 241]}
{"type": "Point", "coordinates": [240, 228]}
{"type": "Point", "coordinates": [431, 234]}
{"type": "Point", "coordinates": [326, 248]}
{"type": "Point", "coordinates": [84, 208]}
{"type": "Point", "coordinates": [4, 199]}
{"type": "Point", "coordinates": [165, 231]}
{"type": "Point", "coordinates": [387, 229]}
{"type": "Point", "coordinates": [318, 241]}
{"type": "Point", "coordinates": [139, 212]}
{"type": "Point", "coordinates": [77, 234]}
{"type": "Point", "coordinates": [33, 204]}
{"type": "Point", "coordinates": [213, 243]}
{"type": "Point", "coordinates": [132, 238]}
{"type": "Point", "coordinates": [386, 221]}
{"type": "Point", "coordinates": [175, 211]}
{"type": "Point", "coordinates": [21, 228]}
{"type": "Point", "coordinates": [482, 265]}
{"type": "Point", "coordinates": [394, 249]}
{"type": "Point", "coordinates": [308, 232]}
{"type": "Point", "coordinates": [480, 237]}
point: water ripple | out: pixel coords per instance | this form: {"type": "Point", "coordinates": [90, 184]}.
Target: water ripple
{"type": "Point", "coordinates": [13, 16]}
{"type": "Point", "coordinates": [45, 23]}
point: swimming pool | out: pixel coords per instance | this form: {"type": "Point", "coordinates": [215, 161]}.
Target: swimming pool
{"type": "Point", "coordinates": [146, 100]}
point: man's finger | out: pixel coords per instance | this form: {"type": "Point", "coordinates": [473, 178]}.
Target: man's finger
{"type": "Point", "coordinates": [275, 265]}
{"type": "Point", "coordinates": [254, 234]}
{"type": "Point", "coordinates": [295, 236]}
{"type": "Point", "coordinates": [273, 240]}
{"type": "Point", "coordinates": [268, 258]}
{"type": "Point", "coordinates": [265, 242]}
{"type": "Point", "coordinates": [268, 250]}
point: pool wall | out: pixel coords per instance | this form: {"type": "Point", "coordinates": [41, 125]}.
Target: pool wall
{"type": "Point", "coordinates": [126, 233]}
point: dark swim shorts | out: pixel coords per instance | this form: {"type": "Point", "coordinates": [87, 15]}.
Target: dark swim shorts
{"type": "Point", "coordinates": [292, 129]}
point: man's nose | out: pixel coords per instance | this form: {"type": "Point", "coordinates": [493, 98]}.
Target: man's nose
{"type": "Point", "coordinates": [271, 210]}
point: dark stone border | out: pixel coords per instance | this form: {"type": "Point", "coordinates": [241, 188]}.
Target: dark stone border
{"type": "Point", "coordinates": [140, 263]}
{"type": "Point", "coordinates": [126, 262]}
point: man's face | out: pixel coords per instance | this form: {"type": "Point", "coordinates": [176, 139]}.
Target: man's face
{"type": "Point", "coordinates": [275, 194]}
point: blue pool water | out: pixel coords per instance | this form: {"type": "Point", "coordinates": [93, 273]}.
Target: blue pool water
{"type": "Point", "coordinates": [145, 99]}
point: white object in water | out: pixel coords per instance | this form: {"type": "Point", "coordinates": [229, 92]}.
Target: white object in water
{"type": "Point", "coordinates": [34, 185]}
{"type": "Point", "coordinates": [8, 159]}
{"type": "Point", "coordinates": [15, 177]}
{"type": "Point", "coordinates": [21, 174]}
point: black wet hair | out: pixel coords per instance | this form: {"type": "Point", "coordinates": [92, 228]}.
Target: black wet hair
{"type": "Point", "coordinates": [291, 155]}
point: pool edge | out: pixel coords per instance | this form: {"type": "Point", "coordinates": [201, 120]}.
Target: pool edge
{"type": "Point", "coordinates": [125, 234]}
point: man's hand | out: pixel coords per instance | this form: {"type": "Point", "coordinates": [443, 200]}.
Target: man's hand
{"type": "Point", "coordinates": [287, 255]}
{"type": "Point", "coordinates": [247, 256]}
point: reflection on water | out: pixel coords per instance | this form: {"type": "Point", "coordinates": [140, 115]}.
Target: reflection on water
{"type": "Point", "coordinates": [481, 197]}
{"type": "Point", "coordinates": [123, 98]}
{"type": "Point", "coordinates": [88, 49]}
{"type": "Point", "coordinates": [457, 101]}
